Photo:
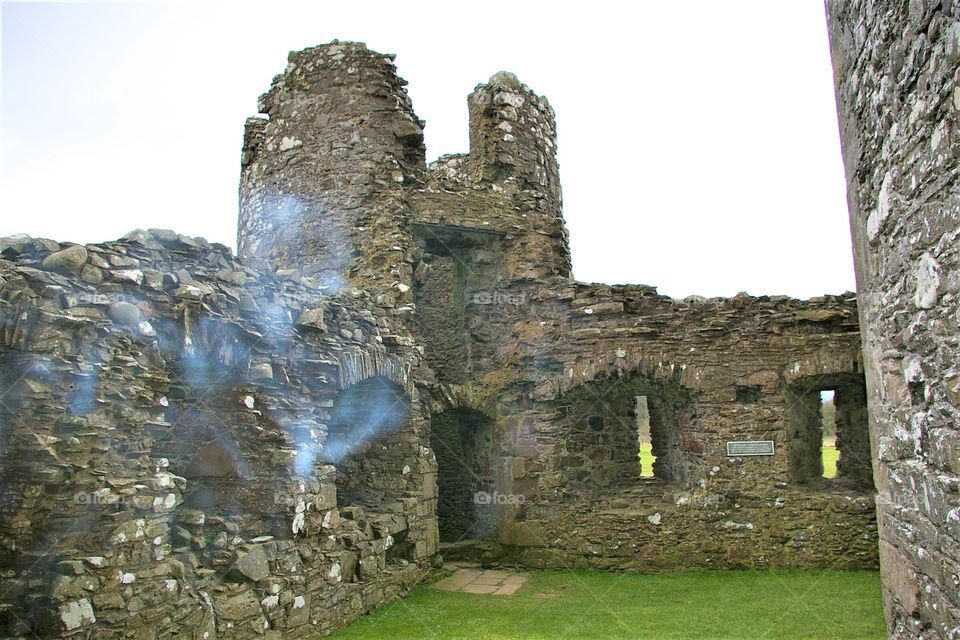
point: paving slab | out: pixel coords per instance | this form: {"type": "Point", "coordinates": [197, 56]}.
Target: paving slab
{"type": "Point", "coordinates": [482, 589]}
{"type": "Point", "coordinates": [507, 589]}
{"type": "Point", "coordinates": [495, 574]}
{"type": "Point", "coordinates": [476, 581]}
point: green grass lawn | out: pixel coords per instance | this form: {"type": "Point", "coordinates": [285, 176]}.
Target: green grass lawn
{"type": "Point", "coordinates": [732, 604]}
{"type": "Point", "coordinates": [830, 457]}
{"type": "Point", "coordinates": [646, 459]}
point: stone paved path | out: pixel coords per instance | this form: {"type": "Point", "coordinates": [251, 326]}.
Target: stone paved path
{"type": "Point", "coordinates": [472, 579]}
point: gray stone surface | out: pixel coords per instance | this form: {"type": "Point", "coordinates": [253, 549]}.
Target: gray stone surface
{"type": "Point", "coordinates": [154, 482]}
{"type": "Point", "coordinates": [478, 262]}
{"type": "Point", "coordinates": [124, 313]}
{"type": "Point", "coordinates": [325, 173]}
{"type": "Point", "coordinates": [69, 260]}
{"type": "Point", "coordinates": [253, 563]}
{"type": "Point", "coordinates": [895, 66]}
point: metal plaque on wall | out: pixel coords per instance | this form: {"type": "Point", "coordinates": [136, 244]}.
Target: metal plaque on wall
{"type": "Point", "coordinates": [749, 448]}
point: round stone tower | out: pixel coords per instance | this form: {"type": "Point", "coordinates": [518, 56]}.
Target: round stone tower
{"type": "Point", "coordinates": [513, 147]}
{"type": "Point", "coordinates": [325, 174]}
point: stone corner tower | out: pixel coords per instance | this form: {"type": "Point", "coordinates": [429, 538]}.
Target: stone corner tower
{"type": "Point", "coordinates": [325, 174]}
{"type": "Point", "coordinates": [334, 178]}
{"type": "Point", "coordinates": [513, 148]}
{"type": "Point", "coordinates": [898, 100]}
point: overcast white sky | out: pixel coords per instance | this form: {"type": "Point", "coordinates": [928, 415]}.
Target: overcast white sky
{"type": "Point", "coordinates": [698, 140]}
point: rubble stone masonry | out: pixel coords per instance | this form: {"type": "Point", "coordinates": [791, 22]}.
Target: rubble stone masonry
{"type": "Point", "coordinates": [399, 366]}
{"type": "Point", "coordinates": [896, 70]}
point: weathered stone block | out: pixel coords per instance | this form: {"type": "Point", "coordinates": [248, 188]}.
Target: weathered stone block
{"type": "Point", "coordinates": [253, 563]}
{"type": "Point", "coordinates": [69, 260]}
{"type": "Point", "coordinates": [77, 614]}
{"type": "Point", "coordinates": [238, 607]}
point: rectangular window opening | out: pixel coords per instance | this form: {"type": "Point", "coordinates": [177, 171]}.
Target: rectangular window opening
{"type": "Point", "coordinates": [829, 453]}
{"type": "Point", "coordinates": [644, 439]}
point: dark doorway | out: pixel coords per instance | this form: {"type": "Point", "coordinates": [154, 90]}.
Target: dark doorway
{"type": "Point", "coordinates": [462, 440]}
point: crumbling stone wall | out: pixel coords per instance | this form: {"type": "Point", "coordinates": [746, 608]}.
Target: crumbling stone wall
{"type": "Point", "coordinates": [513, 143]}
{"type": "Point", "coordinates": [552, 356]}
{"type": "Point", "coordinates": [895, 66]}
{"type": "Point", "coordinates": [235, 447]}
{"type": "Point", "coordinates": [509, 335]}
{"type": "Point", "coordinates": [182, 454]}
{"type": "Point", "coordinates": [692, 356]}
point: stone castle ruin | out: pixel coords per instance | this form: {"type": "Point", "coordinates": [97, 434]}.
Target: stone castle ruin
{"type": "Point", "coordinates": [399, 368]}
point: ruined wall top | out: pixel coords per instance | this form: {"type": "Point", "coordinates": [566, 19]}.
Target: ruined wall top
{"type": "Point", "coordinates": [335, 176]}
{"type": "Point", "coordinates": [513, 136]}
{"type": "Point", "coordinates": [324, 175]}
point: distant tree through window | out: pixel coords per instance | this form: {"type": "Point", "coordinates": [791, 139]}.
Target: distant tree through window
{"type": "Point", "coordinates": [828, 448]}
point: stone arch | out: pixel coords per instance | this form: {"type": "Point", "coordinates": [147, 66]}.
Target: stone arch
{"type": "Point", "coordinates": [444, 397]}
{"type": "Point", "coordinates": [599, 420]}
{"type": "Point", "coordinates": [354, 366]}
{"type": "Point", "coordinates": [618, 363]}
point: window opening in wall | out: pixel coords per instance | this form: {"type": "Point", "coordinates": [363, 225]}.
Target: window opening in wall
{"type": "Point", "coordinates": [647, 432]}
{"type": "Point", "coordinates": [829, 452]}
{"type": "Point", "coordinates": [829, 438]}
{"type": "Point", "coordinates": [644, 439]}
